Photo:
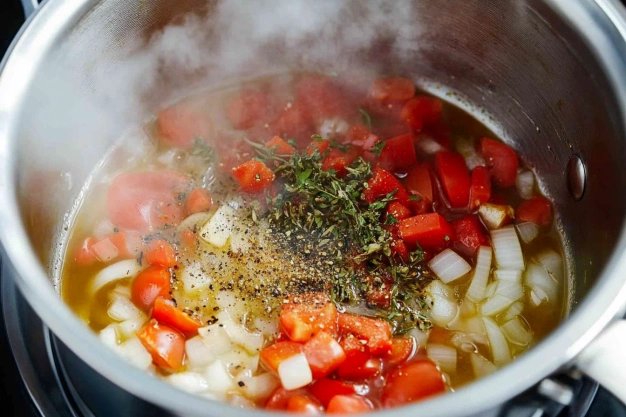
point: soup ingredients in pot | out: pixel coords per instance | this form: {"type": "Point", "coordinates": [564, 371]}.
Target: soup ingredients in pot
{"type": "Point", "coordinates": [310, 244]}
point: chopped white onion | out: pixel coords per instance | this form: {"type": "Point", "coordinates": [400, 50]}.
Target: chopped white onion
{"type": "Point", "coordinates": [517, 331]}
{"type": "Point", "coordinates": [476, 290]}
{"type": "Point", "coordinates": [496, 304]}
{"type": "Point", "coordinates": [420, 337]}
{"type": "Point", "coordinates": [428, 145]}
{"type": "Point", "coordinates": [194, 221]}
{"type": "Point", "coordinates": [119, 270]}
{"type": "Point", "coordinates": [104, 250]}
{"type": "Point", "coordinates": [470, 325]}
{"type": "Point", "coordinates": [239, 240]}
{"type": "Point", "coordinates": [197, 353]}
{"type": "Point", "coordinates": [467, 308]}
{"type": "Point", "coordinates": [259, 387]}
{"type": "Point", "coordinates": [525, 183]}
{"type": "Point", "coordinates": [443, 306]}
{"type": "Point", "coordinates": [528, 231]}
{"type": "Point", "coordinates": [252, 342]}
{"type": "Point", "coordinates": [109, 337]}
{"type": "Point", "coordinates": [499, 347]}
{"type": "Point", "coordinates": [541, 282]}
{"type": "Point", "coordinates": [481, 366]}
{"type": "Point", "coordinates": [128, 328]}
{"type": "Point", "coordinates": [442, 355]}
{"type": "Point", "coordinates": [104, 228]}
{"type": "Point", "coordinates": [507, 248]}
{"type": "Point", "coordinates": [515, 310]}
{"type": "Point", "coordinates": [553, 263]}
{"type": "Point", "coordinates": [238, 360]}
{"type": "Point", "coordinates": [216, 339]}
{"type": "Point", "coordinates": [239, 401]}
{"type": "Point", "coordinates": [509, 275]}
{"type": "Point", "coordinates": [122, 309]}
{"type": "Point", "coordinates": [538, 296]}
{"type": "Point", "coordinates": [494, 216]}
{"type": "Point", "coordinates": [511, 290]}
{"type": "Point", "coordinates": [135, 353]}
{"type": "Point", "coordinates": [330, 128]}
{"type": "Point", "coordinates": [449, 266]}
{"type": "Point", "coordinates": [191, 382]}
{"type": "Point", "coordinates": [463, 342]}
{"type": "Point", "coordinates": [294, 372]}
{"type": "Point", "coordinates": [217, 230]}
{"type": "Point", "coordinates": [194, 277]}
{"type": "Point", "coordinates": [266, 327]}
{"type": "Point", "coordinates": [491, 289]}
{"type": "Point", "coordinates": [218, 379]}
{"type": "Point", "coordinates": [120, 291]}
{"type": "Point", "coordinates": [465, 146]}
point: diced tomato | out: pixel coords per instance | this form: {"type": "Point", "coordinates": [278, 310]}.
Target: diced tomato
{"type": "Point", "coordinates": [198, 201]}
{"type": "Point", "coordinates": [358, 135]}
{"type": "Point", "coordinates": [339, 161]}
{"type": "Point", "coordinates": [322, 98]}
{"type": "Point", "coordinates": [188, 238]}
{"type": "Point", "coordinates": [421, 111]}
{"type": "Point", "coordinates": [146, 201]}
{"type": "Point", "coordinates": [232, 152]}
{"type": "Point", "coordinates": [401, 349]}
{"type": "Point", "coordinates": [480, 191]}
{"type": "Point", "coordinates": [399, 250]}
{"type": "Point", "coordinates": [280, 146]}
{"type": "Point", "coordinates": [382, 183]}
{"type": "Point", "coordinates": [398, 154]}
{"type": "Point", "coordinates": [274, 354]}
{"type": "Point", "coordinates": [349, 404]}
{"type": "Point", "coordinates": [501, 160]}
{"type": "Point", "coordinates": [418, 182]}
{"type": "Point", "coordinates": [253, 176]}
{"type": "Point", "coordinates": [420, 206]}
{"type": "Point", "coordinates": [412, 382]}
{"type": "Point", "coordinates": [160, 252]}
{"type": "Point", "coordinates": [469, 233]}
{"type": "Point", "coordinates": [454, 177]}
{"type": "Point", "coordinates": [166, 345]}
{"type": "Point", "coordinates": [149, 284]}
{"type": "Point", "coordinates": [166, 312]}
{"type": "Point", "coordinates": [280, 398]}
{"type": "Point", "coordinates": [398, 210]}
{"type": "Point", "coordinates": [181, 123]}
{"type": "Point", "coordinates": [370, 368]}
{"type": "Point", "coordinates": [128, 244]}
{"type": "Point", "coordinates": [248, 109]}
{"type": "Point", "coordinates": [392, 89]}
{"type": "Point", "coordinates": [293, 122]}
{"type": "Point", "coordinates": [377, 332]}
{"type": "Point", "coordinates": [318, 145]}
{"type": "Point", "coordinates": [357, 352]}
{"type": "Point", "coordinates": [83, 255]}
{"type": "Point", "coordinates": [306, 315]}
{"type": "Point", "coordinates": [302, 404]}
{"type": "Point", "coordinates": [324, 354]}
{"type": "Point", "coordinates": [430, 230]}
{"type": "Point", "coordinates": [325, 389]}
{"type": "Point", "coordinates": [537, 210]}
{"type": "Point", "coordinates": [378, 286]}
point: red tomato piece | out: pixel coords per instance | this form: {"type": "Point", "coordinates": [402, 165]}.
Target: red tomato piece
{"type": "Point", "coordinates": [302, 404]}
{"type": "Point", "coordinates": [188, 238]}
{"type": "Point", "coordinates": [454, 177]}
{"type": "Point", "coordinates": [398, 154]}
{"type": "Point", "coordinates": [480, 191]}
{"type": "Point", "coordinates": [146, 201]}
{"type": "Point", "coordinates": [83, 255]}
{"type": "Point", "coordinates": [248, 109]}
{"type": "Point", "coordinates": [469, 233]}
{"type": "Point", "coordinates": [537, 210]}
{"type": "Point", "coordinates": [280, 146]}
{"type": "Point", "coordinates": [160, 252]}
{"type": "Point", "coordinates": [501, 160]}
{"type": "Point", "coordinates": [181, 123]}
{"type": "Point", "coordinates": [399, 250]}
{"type": "Point", "coordinates": [325, 389]}
{"type": "Point", "coordinates": [166, 312]}
{"type": "Point", "coordinates": [149, 284]}
{"type": "Point", "coordinates": [322, 98]}
{"type": "Point", "coordinates": [377, 332]}
{"type": "Point", "coordinates": [421, 111]}
{"type": "Point", "coordinates": [339, 161]}
{"type": "Point", "coordinates": [306, 315]}
{"type": "Point", "coordinates": [419, 183]}
{"type": "Point", "coordinates": [382, 183]}
{"type": "Point", "coordinates": [318, 145]}
{"type": "Point", "coordinates": [253, 176]}
{"type": "Point", "coordinates": [349, 404]}
{"type": "Point", "coordinates": [412, 382]}
{"type": "Point", "coordinates": [274, 354]}
{"type": "Point", "coordinates": [370, 368]}
{"type": "Point", "coordinates": [358, 135]}
{"type": "Point", "coordinates": [392, 89]}
{"type": "Point", "coordinates": [324, 354]}
{"type": "Point", "coordinates": [128, 244]}
{"type": "Point", "coordinates": [398, 210]}
{"type": "Point", "coordinates": [232, 153]}
{"type": "Point", "coordinates": [401, 349]}
{"type": "Point", "coordinates": [198, 201]}
{"type": "Point", "coordinates": [356, 350]}
{"type": "Point", "coordinates": [166, 345]}
{"type": "Point", "coordinates": [430, 230]}
{"type": "Point", "coordinates": [293, 122]}
{"type": "Point", "coordinates": [280, 398]}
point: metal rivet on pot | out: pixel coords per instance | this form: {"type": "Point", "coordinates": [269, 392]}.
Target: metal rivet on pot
{"type": "Point", "coordinates": [576, 176]}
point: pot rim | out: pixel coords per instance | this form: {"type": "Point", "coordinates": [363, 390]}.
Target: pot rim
{"type": "Point", "coordinates": [604, 35]}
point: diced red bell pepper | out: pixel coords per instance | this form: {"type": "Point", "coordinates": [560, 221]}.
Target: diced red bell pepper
{"type": "Point", "coordinates": [392, 89]}
{"type": "Point", "coordinates": [401, 349]}
{"type": "Point", "coordinates": [253, 176]}
{"type": "Point", "coordinates": [83, 255]}
{"type": "Point", "coordinates": [377, 332]}
{"type": "Point", "coordinates": [325, 389]}
{"type": "Point", "coordinates": [308, 314]}
{"type": "Point", "coordinates": [430, 230]}
{"type": "Point", "coordinates": [418, 182]}
{"type": "Point", "coordinates": [421, 111]}
{"type": "Point", "coordinates": [274, 354]}
{"type": "Point", "coordinates": [160, 252]}
{"type": "Point", "coordinates": [537, 210]}
{"type": "Point", "coordinates": [398, 154]}
{"type": "Point", "coordinates": [454, 177]}
{"type": "Point", "coordinates": [324, 354]}
{"type": "Point", "coordinates": [480, 191]}
{"type": "Point", "coordinates": [501, 160]}
{"type": "Point", "coordinates": [469, 233]}
{"type": "Point", "coordinates": [166, 312]}
{"type": "Point", "coordinates": [382, 183]}
{"type": "Point", "coordinates": [198, 201]}
{"type": "Point", "coordinates": [248, 109]}
{"type": "Point", "coordinates": [280, 147]}
{"type": "Point", "coordinates": [349, 404]}
{"type": "Point", "coordinates": [165, 344]}
{"type": "Point", "coordinates": [303, 404]}
{"type": "Point", "coordinates": [339, 161]}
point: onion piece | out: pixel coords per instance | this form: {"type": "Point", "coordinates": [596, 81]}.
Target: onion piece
{"type": "Point", "coordinates": [194, 277]}
{"type": "Point", "coordinates": [330, 128]}
{"type": "Point", "coordinates": [294, 372]}
{"type": "Point", "coordinates": [525, 183]}
{"type": "Point", "coordinates": [540, 282]}
{"type": "Point", "coordinates": [122, 309]}
{"type": "Point", "coordinates": [216, 339]}
{"type": "Point", "coordinates": [449, 266]}
{"type": "Point", "coordinates": [119, 270]}
{"type": "Point", "coordinates": [420, 337]}
{"type": "Point", "coordinates": [465, 146]}
{"type": "Point", "coordinates": [528, 231]}
{"type": "Point", "coordinates": [553, 263]}
{"type": "Point", "coordinates": [135, 353]}
{"type": "Point", "coordinates": [129, 328]}
{"type": "Point", "coordinates": [516, 309]}
{"type": "Point", "coordinates": [463, 342]}
{"type": "Point", "coordinates": [109, 336]}
{"type": "Point", "coordinates": [496, 304]}
{"type": "Point", "coordinates": [499, 347]}
{"type": "Point", "coordinates": [509, 275]}
{"type": "Point", "coordinates": [494, 216]}
{"type": "Point", "coordinates": [218, 378]}
{"type": "Point", "coordinates": [252, 342]}
{"type": "Point", "coordinates": [443, 306]}
{"type": "Point", "coordinates": [491, 289]}
{"type": "Point", "coordinates": [478, 286]}
{"type": "Point", "coordinates": [538, 296]}
{"type": "Point", "coordinates": [481, 366]}
{"type": "Point", "coordinates": [442, 355]}
{"type": "Point", "coordinates": [517, 331]}
{"type": "Point", "coordinates": [266, 327]}
{"type": "Point", "coordinates": [239, 361]}
{"type": "Point", "coordinates": [507, 248]}
{"type": "Point", "coordinates": [259, 387]}
{"type": "Point", "coordinates": [103, 229]}
{"type": "Point", "coordinates": [428, 145]}
{"type": "Point", "coordinates": [191, 382]}
{"type": "Point", "coordinates": [198, 354]}
{"type": "Point", "coordinates": [239, 401]}
{"type": "Point", "coordinates": [104, 250]}
{"type": "Point", "coordinates": [217, 230]}
{"type": "Point", "coordinates": [511, 290]}
{"type": "Point", "coordinates": [196, 220]}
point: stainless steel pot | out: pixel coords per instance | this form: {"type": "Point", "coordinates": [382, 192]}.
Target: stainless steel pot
{"type": "Point", "coordinates": [548, 76]}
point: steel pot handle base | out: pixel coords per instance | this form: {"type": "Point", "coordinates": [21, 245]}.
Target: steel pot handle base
{"type": "Point", "coordinates": [29, 6]}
